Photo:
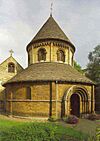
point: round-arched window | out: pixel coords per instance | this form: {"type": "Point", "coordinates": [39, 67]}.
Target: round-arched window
{"type": "Point", "coordinates": [60, 56]}
{"type": "Point", "coordinates": [11, 67]}
{"type": "Point", "coordinates": [42, 54]}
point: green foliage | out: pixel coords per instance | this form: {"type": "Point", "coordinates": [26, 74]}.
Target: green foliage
{"type": "Point", "coordinates": [91, 138]}
{"type": "Point", "coordinates": [98, 134]}
{"type": "Point", "coordinates": [77, 67]}
{"type": "Point", "coordinates": [93, 67]}
{"type": "Point", "coordinates": [5, 123]}
{"type": "Point", "coordinates": [40, 132]}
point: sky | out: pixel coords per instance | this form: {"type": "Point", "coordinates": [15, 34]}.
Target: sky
{"type": "Point", "coordinates": [20, 20]}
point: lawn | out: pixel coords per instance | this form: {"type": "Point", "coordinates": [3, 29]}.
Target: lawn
{"type": "Point", "coordinates": [7, 124]}
{"type": "Point", "coordinates": [24, 130]}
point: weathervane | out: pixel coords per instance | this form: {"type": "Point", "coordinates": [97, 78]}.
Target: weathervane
{"type": "Point", "coordinates": [51, 9]}
{"type": "Point", "coordinates": [11, 52]}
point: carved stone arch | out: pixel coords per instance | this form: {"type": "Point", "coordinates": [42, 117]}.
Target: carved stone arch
{"type": "Point", "coordinates": [83, 96]}
{"type": "Point", "coordinates": [82, 92]}
{"type": "Point", "coordinates": [73, 89]}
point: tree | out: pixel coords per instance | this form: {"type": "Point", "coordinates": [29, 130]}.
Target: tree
{"type": "Point", "coordinates": [93, 67]}
{"type": "Point", "coordinates": [78, 67]}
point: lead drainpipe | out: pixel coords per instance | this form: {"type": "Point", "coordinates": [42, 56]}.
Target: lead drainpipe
{"type": "Point", "coordinates": [69, 56]}
{"type": "Point", "coordinates": [56, 99]}
{"type": "Point", "coordinates": [11, 95]}
{"type": "Point", "coordinates": [50, 51]}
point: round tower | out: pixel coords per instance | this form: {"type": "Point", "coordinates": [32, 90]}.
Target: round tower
{"type": "Point", "coordinates": [50, 45]}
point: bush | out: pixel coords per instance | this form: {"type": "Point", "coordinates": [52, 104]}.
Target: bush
{"type": "Point", "coordinates": [71, 119]}
{"type": "Point", "coordinates": [93, 117]}
{"type": "Point", "coordinates": [98, 133]}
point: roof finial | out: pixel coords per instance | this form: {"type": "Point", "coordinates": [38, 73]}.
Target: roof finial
{"type": "Point", "coordinates": [11, 52]}
{"type": "Point", "coordinates": [51, 9]}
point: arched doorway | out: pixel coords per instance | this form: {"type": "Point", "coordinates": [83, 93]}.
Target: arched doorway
{"type": "Point", "coordinates": [75, 101]}
{"type": "Point", "coordinates": [75, 104]}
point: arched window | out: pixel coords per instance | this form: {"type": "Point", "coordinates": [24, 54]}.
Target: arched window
{"type": "Point", "coordinates": [60, 56]}
{"type": "Point", "coordinates": [28, 93]}
{"type": "Point", "coordinates": [11, 67]}
{"type": "Point", "coordinates": [42, 54]}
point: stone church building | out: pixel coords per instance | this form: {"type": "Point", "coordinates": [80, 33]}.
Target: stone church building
{"type": "Point", "coordinates": [8, 69]}
{"type": "Point", "coordinates": [50, 85]}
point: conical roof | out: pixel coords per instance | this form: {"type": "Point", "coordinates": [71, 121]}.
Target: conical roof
{"type": "Point", "coordinates": [51, 30]}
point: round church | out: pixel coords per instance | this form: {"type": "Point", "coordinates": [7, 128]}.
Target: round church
{"type": "Point", "coordinates": [50, 85]}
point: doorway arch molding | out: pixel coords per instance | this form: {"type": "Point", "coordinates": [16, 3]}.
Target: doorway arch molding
{"type": "Point", "coordinates": [82, 92]}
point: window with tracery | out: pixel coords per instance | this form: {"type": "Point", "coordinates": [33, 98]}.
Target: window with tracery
{"type": "Point", "coordinates": [42, 54]}
{"type": "Point", "coordinates": [60, 56]}
{"type": "Point", "coordinates": [11, 67]}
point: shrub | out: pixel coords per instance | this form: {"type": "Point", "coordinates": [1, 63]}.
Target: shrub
{"type": "Point", "coordinates": [71, 119]}
{"type": "Point", "coordinates": [91, 138]}
{"type": "Point", "coordinates": [93, 117]}
{"type": "Point", "coordinates": [98, 134]}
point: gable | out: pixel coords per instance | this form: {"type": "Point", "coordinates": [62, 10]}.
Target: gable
{"type": "Point", "coordinates": [4, 64]}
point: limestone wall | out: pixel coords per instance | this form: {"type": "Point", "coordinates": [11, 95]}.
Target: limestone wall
{"type": "Point", "coordinates": [38, 105]}
{"type": "Point", "coordinates": [5, 76]}
{"type": "Point", "coordinates": [46, 99]}
{"type": "Point", "coordinates": [51, 52]}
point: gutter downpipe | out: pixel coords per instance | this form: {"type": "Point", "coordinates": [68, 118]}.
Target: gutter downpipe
{"type": "Point", "coordinates": [56, 99]}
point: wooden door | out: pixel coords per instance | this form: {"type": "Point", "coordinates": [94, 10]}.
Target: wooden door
{"type": "Point", "coordinates": [75, 105]}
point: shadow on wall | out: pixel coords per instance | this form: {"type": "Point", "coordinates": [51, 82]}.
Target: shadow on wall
{"type": "Point", "coordinates": [2, 100]}
{"type": "Point", "coordinates": [97, 99]}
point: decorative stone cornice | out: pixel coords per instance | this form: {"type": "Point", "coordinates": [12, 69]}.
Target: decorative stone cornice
{"type": "Point", "coordinates": [48, 43]}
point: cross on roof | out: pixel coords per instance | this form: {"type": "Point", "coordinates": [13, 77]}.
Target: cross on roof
{"type": "Point", "coordinates": [51, 9]}
{"type": "Point", "coordinates": [11, 52]}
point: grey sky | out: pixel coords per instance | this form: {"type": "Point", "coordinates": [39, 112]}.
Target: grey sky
{"type": "Point", "coordinates": [20, 20]}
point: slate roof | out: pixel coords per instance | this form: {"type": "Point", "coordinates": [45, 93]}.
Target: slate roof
{"type": "Point", "coordinates": [50, 71]}
{"type": "Point", "coordinates": [51, 30]}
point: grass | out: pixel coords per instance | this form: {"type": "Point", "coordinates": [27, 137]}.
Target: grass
{"type": "Point", "coordinates": [7, 124]}
{"type": "Point", "coordinates": [23, 130]}
{"type": "Point", "coordinates": [35, 131]}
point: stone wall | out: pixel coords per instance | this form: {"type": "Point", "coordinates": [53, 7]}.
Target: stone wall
{"type": "Point", "coordinates": [46, 98]}
{"type": "Point", "coordinates": [51, 52]}
{"type": "Point", "coordinates": [5, 76]}
{"type": "Point", "coordinates": [38, 105]}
